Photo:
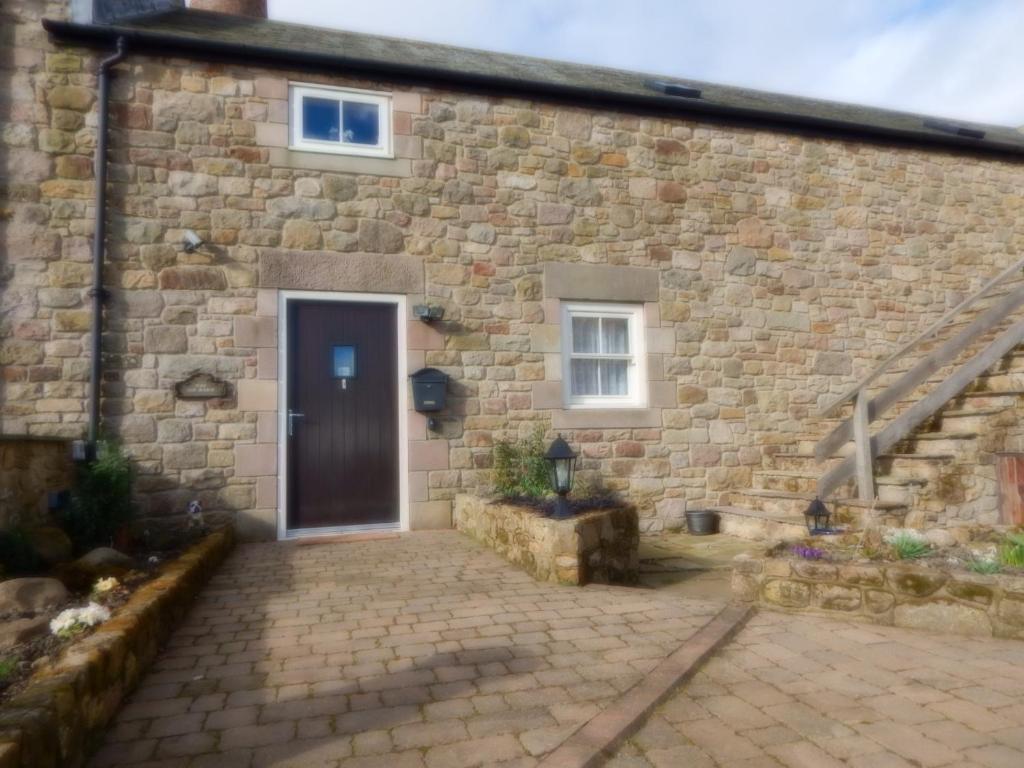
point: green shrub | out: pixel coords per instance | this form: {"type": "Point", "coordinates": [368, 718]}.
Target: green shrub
{"type": "Point", "coordinates": [101, 498]}
{"type": "Point", "coordinates": [1011, 552]}
{"type": "Point", "coordinates": [984, 565]}
{"type": "Point", "coordinates": [17, 555]}
{"type": "Point", "coordinates": [520, 469]}
{"type": "Point", "coordinates": [907, 545]}
{"type": "Point", "coordinates": [8, 666]}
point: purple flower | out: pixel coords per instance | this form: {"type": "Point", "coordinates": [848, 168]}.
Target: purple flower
{"type": "Point", "coordinates": [808, 553]}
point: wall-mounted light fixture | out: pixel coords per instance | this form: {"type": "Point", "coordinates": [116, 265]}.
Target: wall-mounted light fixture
{"type": "Point", "coordinates": [427, 313]}
{"type": "Point", "coordinates": [192, 241]}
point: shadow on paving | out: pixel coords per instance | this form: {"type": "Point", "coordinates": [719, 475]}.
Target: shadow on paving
{"type": "Point", "coordinates": [425, 650]}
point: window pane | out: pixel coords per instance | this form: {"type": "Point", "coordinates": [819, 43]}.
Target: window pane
{"type": "Point", "coordinates": [614, 377]}
{"type": "Point", "coordinates": [320, 119]}
{"type": "Point", "coordinates": [615, 333]}
{"type": "Point", "coordinates": [584, 377]}
{"type": "Point", "coordinates": [585, 334]}
{"type": "Point", "coordinates": [362, 123]}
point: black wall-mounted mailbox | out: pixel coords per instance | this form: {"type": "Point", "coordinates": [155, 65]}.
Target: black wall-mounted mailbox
{"type": "Point", "coordinates": [429, 387]}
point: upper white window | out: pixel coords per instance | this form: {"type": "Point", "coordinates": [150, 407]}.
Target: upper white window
{"type": "Point", "coordinates": [603, 355]}
{"type": "Point", "coordinates": [340, 120]}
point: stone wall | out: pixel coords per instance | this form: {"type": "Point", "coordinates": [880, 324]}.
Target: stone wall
{"type": "Point", "coordinates": [893, 594]}
{"type": "Point", "coordinates": [598, 546]}
{"type": "Point", "coordinates": [30, 468]}
{"type": "Point", "coordinates": [783, 266]}
{"type": "Point", "coordinates": [59, 719]}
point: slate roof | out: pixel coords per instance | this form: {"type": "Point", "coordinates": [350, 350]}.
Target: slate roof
{"type": "Point", "coordinates": [202, 34]}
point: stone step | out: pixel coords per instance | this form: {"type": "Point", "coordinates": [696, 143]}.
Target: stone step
{"type": "Point", "coordinates": [757, 525]}
{"type": "Point", "coordinates": [915, 466]}
{"type": "Point", "coordinates": [898, 490]}
{"type": "Point", "coordinates": [792, 480]}
{"type": "Point", "coordinates": [792, 505]}
{"type": "Point", "coordinates": [963, 420]}
{"type": "Point", "coordinates": [937, 442]}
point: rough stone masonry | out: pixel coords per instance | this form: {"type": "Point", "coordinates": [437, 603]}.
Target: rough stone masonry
{"type": "Point", "coordinates": [784, 264]}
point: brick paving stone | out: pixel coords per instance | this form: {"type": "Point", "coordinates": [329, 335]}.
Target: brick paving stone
{"type": "Point", "coordinates": [422, 651]}
{"type": "Point", "coordinates": [807, 692]}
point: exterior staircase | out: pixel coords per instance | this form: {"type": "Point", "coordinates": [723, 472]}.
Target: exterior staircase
{"type": "Point", "coordinates": [947, 411]}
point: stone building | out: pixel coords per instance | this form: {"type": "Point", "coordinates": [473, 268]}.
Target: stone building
{"type": "Point", "coordinates": [673, 275]}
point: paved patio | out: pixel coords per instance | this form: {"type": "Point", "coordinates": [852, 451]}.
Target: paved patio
{"type": "Point", "coordinates": [421, 650]}
{"type": "Point", "coordinates": [813, 693]}
{"type": "Point", "coordinates": [427, 651]}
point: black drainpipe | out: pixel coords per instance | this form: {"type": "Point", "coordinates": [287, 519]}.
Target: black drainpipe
{"type": "Point", "coordinates": [99, 244]}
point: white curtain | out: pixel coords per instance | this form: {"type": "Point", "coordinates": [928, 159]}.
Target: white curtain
{"type": "Point", "coordinates": [595, 336]}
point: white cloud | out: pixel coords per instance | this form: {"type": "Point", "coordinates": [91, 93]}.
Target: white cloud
{"type": "Point", "coordinates": [959, 58]}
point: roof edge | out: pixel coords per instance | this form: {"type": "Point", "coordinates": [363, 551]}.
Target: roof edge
{"type": "Point", "coordinates": [158, 43]}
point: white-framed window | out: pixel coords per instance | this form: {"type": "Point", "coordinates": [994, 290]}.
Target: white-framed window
{"type": "Point", "coordinates": [603, 358]}
{"type": "Point", "coordinates": [339, 120]}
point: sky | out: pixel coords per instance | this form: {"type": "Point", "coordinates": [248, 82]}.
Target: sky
{"type": "Point", "coordinates": [952, 58]}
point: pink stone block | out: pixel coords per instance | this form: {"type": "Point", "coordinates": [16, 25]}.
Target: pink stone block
{"type": "Point", "coordinates": [271, 134]}
{"type": "Point", "coordinates": [407, 102]}
{"type": "Point", "coordinates": [430, 515]}
{"type": "Point", "coordinates": [266, 363]}
{"type": "Point", "coordinates": [256, 332]}
{"type": "Point", "coordinates": [255, 460]}
{"type": "Point", "coordinates": [271, 87]}
{"type": "Point", "coordinates": [257, 395]}
{"type": "Point", "coordinates": [420, 335]}
{"type": "Point", "coordinates": [266, 302]}
{"type": "Point", "coordinates": [418, 489]}
{"type": "Point", "coordinates": [266, 427]}
{"type": "Point", "coordinates": [266, 492]}
{"type": "Point", "coordinates": [428, 454]}
{"type": "Point", "coordinates": [417, 425]}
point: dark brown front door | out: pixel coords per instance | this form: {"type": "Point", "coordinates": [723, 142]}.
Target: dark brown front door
{"type": "Point", "coordinates": [342, 418]}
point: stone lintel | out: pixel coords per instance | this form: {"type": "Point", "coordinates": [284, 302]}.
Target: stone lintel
{"type": "Point", "coordinates": [330, 271]}
{"type": "Point", "coordinates": [592, 282]}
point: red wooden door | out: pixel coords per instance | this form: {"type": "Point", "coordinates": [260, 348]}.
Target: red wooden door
{"type": "Point", "coordinates": [342, 420]}
{"type": "Point", "coordinates": [1010, 468]}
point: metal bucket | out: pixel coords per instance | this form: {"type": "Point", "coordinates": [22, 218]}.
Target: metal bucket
{"type": "Point", "coordinates": [701, 522]}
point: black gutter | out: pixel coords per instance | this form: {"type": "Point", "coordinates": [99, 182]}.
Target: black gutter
{"type": "Point", "coordinates": [159, 43]}
{"type": "Point", "coordinates": [99, 240]}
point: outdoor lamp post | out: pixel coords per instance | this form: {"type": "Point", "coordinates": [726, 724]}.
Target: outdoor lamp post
{"type": "Point", "coordinates": [817, 517]}
{"type": "Point", "coordinates": [562, 463]}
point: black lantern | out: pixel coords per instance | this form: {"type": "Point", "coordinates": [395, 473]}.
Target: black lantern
{"type": "Point", "coordinates": [817, 517]}
{"type": "Point", "coordinates": [562, 463]}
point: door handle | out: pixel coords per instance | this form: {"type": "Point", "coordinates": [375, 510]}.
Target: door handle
{"type": "Point", "coordinates": [292, 416]}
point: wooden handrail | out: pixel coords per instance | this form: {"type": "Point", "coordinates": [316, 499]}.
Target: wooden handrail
{"type": "Point", "coordinates": [930, 331]}
{"type": "Point", "coordinates": [907, 421]}
{"type": "Point", "coordinates": [928, 365]}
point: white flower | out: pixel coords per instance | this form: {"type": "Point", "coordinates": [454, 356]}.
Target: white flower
{"type": "Point", "coordinates": [153, 560]}
{"type": "Point", "coordinates": [74, 619]}
{"type": "Point", "coordinates": [105, 585]}
{"type": "Point", "coordinates": [905, 534]}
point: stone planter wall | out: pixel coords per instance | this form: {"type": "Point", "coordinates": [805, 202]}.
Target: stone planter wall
{"type": "Point", "coordinates": [598, 546]}
{"type": "Point", "coordinates": [894, 594]}
{"type": "Point", "coordinates": [60, 717]}
{"type": "Point", "coordinates": [30, 467]}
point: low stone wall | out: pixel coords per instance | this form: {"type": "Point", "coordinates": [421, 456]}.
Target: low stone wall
{"type": "Point", "coordinates": [893, 594]}
{"type": "Point", "coordinates": [30, 467]}
{"type": "Point", "coordinates": [60, 717]}
{"type": "Point", "coordinates": [597, 546]}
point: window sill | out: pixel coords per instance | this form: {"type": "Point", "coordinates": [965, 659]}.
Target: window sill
{"type": "Point", "coordinates": [282, 157]}
{"type": "Point", "coordinates": [605, 418]}
{"type": "Point", "coordinates": [316, 150]}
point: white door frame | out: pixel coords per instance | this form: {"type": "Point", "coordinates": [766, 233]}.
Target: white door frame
{"type": "Point", "coordinates": [336, 297]}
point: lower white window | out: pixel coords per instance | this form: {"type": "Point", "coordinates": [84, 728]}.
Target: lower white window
{"type": "Point", "coordinates": [603, 355]}
{"type": "Point", "coordinates": [340, 120]}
